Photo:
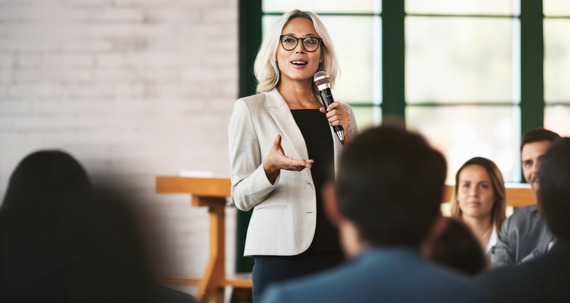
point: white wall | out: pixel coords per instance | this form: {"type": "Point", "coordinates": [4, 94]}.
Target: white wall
{"type": "Point", "coordinates": [132, 89]}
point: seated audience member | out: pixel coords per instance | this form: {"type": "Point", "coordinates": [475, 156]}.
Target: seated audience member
{"type": "Point", "coordinates": [545, 278]}
{"type": "Point", "coordinates": [63, 241]}
{"type": "Point", "coordinates": [525, 234]}
{"type": "Point", "coordinates": [480, 200]}
{"type": "Point", "coordinates": [457, 248]}
{"type": "Point", "coordinates": [386, 200]}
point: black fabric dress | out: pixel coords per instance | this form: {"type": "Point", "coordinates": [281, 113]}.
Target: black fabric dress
{"type": "Point", "coordinates": [325, 251]}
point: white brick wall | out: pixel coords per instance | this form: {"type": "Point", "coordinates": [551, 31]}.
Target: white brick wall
{"type": "Point", "coordinates": [132, 89]}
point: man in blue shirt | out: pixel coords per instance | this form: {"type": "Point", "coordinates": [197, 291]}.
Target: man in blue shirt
{"type": "Point", "coordinates": [385, 202]}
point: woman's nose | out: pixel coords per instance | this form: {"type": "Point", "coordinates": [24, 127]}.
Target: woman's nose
{"type": "Point", "coordinates": [300, 48]}
{"type": "Point", "coordinates": [473, 191]}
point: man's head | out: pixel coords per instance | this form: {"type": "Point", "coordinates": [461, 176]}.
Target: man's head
{"type": "Point", "coordinates": [534, 144]}
{"type": "Point", "coordinates": [555, 187]}
{"type": "Point", "coordinates": [390, 186]}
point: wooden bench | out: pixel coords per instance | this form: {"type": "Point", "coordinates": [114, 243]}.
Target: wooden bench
{"type": "Point", "coordinates": [212, 193]}
{"type": "Point", "coordinates": [516, 196]}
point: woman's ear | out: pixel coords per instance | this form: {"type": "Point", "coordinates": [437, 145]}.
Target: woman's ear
{"type": "Point", "coordinates": [330, 198]}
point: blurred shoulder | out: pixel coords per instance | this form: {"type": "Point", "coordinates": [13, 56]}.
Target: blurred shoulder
{"type": "Point", "coordinates": [524, 213]}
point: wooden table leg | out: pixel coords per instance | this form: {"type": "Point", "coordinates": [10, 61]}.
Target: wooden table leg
{"type": "Point", "coordinates": [211, 288]}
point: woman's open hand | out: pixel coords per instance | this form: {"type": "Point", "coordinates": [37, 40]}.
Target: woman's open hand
{"type": "Point", "coordinates": [276, 160]}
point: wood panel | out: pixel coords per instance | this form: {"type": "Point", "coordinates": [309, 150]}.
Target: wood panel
{"type": "Point", "coordinates": [516, 196]}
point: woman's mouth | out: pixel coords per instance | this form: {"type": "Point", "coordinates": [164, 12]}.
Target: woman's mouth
{"type": "Point", "coordinates": [473, 203]}
{"type": "Point", "coordinates": [299, 62]}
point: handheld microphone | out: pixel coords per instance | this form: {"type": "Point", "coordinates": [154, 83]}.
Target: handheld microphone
{"type": "Point", "coordinates": [321, 80]}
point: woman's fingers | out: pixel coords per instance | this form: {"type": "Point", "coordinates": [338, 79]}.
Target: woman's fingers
{"type": "Point", "coordinates": [276, 159]}
{"type": "Point", "coordinates": [337, 115]}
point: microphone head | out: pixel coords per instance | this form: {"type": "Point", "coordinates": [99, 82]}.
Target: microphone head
{"type": "Point", "coordinates": [321, 80]}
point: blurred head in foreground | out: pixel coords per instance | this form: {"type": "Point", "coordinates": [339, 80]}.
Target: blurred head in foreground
{"type": "Point", "coordinates": [64, 241]}
{"type": "Point", "coordinates": [555, 188]}
{"type": "Point", "coordinates": [456, 248]}
{"type": "Point", "coordinates": [389, 188]}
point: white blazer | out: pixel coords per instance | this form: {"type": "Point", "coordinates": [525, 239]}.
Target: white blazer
{"type": "Point", "coordinates": [284, 214]}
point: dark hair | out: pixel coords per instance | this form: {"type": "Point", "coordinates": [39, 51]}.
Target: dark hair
{"type": "Point", "coordinates": [49, 175]}
{"type": "Point", "coordinates": [498, 212]}
{"type": "Point", "coordinates": [554, 178]}
{"type": "Point", "coordinates": [64, 240]}
{"type": "Point", "coordinates": [390, 185]}
{"type": "Point", "coordinates": [538, 134]}
{"type": "Point", "coordinates": [457, 248]}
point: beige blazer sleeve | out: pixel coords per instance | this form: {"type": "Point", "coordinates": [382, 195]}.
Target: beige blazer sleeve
{"type": "Point", "coordinates": [284, 214]}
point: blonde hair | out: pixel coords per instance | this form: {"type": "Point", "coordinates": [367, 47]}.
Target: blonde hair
{"type": "Point", "coordinates": [498, 212]}
{"type": "Point", "coordinates": [265, 67]}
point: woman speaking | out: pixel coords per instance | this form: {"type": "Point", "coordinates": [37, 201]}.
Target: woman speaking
{"type": "Point", "coordinates": [282, 148]}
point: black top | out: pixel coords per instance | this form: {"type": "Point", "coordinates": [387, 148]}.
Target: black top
{"type": "Point", "coordinates": [318, 137]}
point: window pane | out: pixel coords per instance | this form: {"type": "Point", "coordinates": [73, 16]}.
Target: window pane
{"type": "Point", "coordinates": [462, 60]}
{"type": "Point", "coordinates": [463, 132]}
{"type": "Point", "coordinates": [556, 60]}
{"type": "Point", "coordinates": [357, 44]}
{"type": "Point", "coordinates": [323, 6]}
{"type": "Point", "coordinates": [556, 118]}
{"type": "Point", "coordinates": [556, 7]}
{"type": "Point", "coordinates": [488, 7]}
{"type": "Point", "coordinates": [367, 117]}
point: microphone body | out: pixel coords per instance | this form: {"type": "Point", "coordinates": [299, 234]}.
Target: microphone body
{"type": "Point", "coordinates": [321, 80]}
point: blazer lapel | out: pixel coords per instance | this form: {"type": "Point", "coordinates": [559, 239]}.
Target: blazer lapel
{"type": "Point", "coordinates": [282, 116]}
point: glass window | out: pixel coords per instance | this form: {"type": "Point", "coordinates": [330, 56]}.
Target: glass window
{"type": "Point", "coordinates": [367, 117]}
{"type": "Point", "coordinates": [556, 60]}
{"type": "Point", "coordinates": [556, 7]}
{"type": "Point", "coordinates": [479, 7]}
{"type": "Point", "coordinates": [463, 132]}
{"type": "Point", "coordinates": [556, 119]}
{"type": "Point", "coordinates": [357, 43]}
{"type": "Point", "coordinates": [459, 57]}
{"type": "Point", "coordinates": [461, 60]}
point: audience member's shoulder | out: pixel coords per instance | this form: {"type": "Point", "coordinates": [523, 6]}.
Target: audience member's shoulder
{"type": "Point", "coordinates": [514, 283]}
{"type": "Point", "coordinates": [524, 212]}
{"type": "Point", "coordinates": [457, 286]}
{"type": "Point", "coordinates": [432, 283]}
{"type": "Point", "coordinates": [275, 295]}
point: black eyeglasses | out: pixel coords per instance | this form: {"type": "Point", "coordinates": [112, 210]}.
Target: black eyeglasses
{"type": "Point", "coordinates": [310, 44]}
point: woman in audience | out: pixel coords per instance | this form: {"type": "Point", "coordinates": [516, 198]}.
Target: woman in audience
{"type": "Point", "coordinates": [480, 199]}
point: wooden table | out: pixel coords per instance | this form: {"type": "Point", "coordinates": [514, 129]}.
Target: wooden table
{"type": "Point", "coordinates": [210, 193]}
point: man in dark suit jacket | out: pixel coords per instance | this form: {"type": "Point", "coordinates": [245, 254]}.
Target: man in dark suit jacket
{"type": "Point", "coordinates": [544, 279]}
{"type": "Point", "coordinates": [385, 203]}
{"type": "Point", "coordinates": [525, 235]}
